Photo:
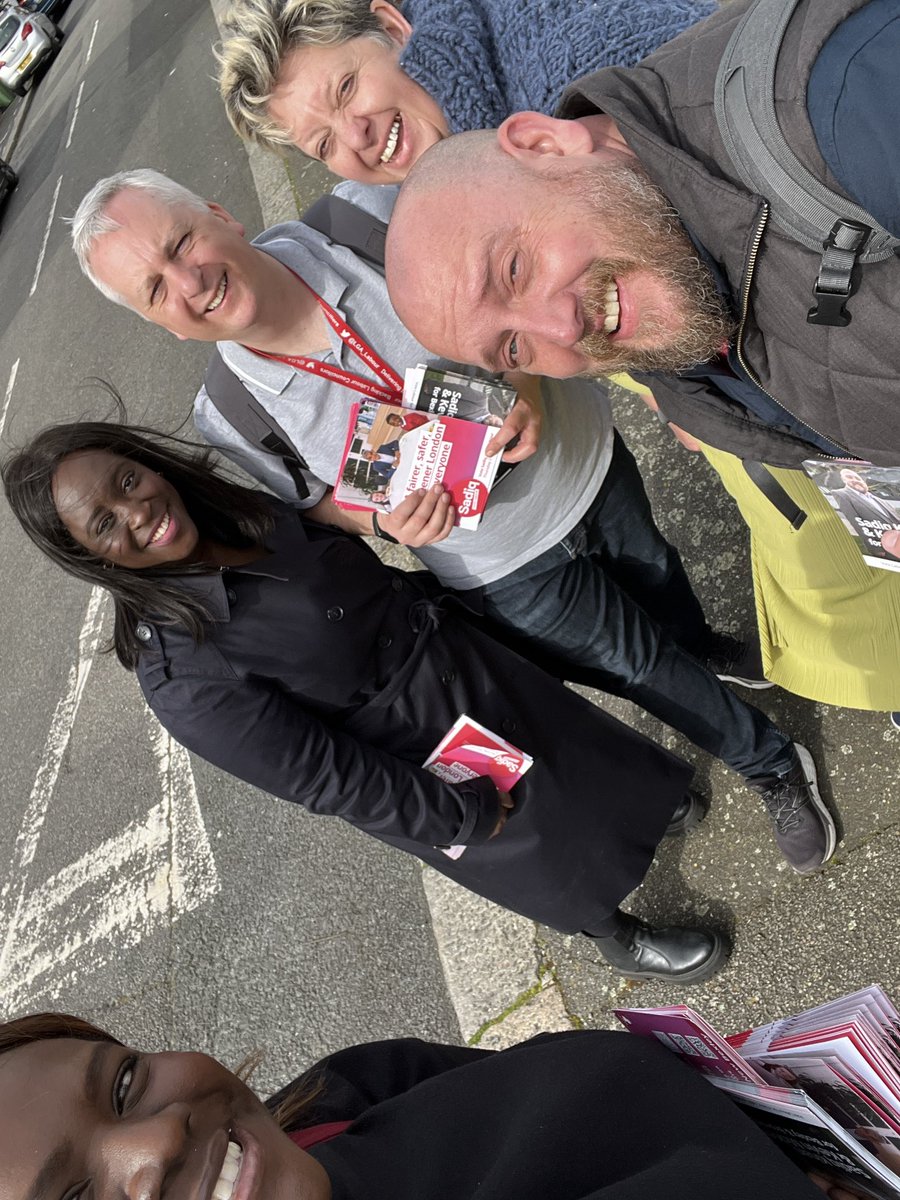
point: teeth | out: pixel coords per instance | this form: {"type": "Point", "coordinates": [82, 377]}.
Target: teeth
{"type": "Point", "coordinates": [231, 1168]}
{"type": "Point", "coordinates": [611, 309]}
{"type": "Point", "coordinates": [161, 528]}
{"type": "Point", "coordinates": [217, 299]}
{"type": "Point", "coordinates": [391, 142]}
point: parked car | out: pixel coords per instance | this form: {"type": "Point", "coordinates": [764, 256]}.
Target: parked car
{"type": "Point", "coordinates": [26, 41]}
{"type": "Point", "coordinates": [50, 8]}
{"type": "Point", "coordinates": [8, 180]}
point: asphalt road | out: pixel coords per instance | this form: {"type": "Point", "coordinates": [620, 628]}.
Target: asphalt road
{"type": "Point", "coordinates": [174, 904]}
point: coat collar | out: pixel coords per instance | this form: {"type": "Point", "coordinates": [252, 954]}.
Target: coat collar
{"type": "Point", "coordinates": [284, 547]}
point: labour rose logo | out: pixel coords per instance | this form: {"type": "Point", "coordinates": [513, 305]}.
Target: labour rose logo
{"type": "Point", "coordinates": [469, 497]}
{"type": "Point", "coordinates": [502, 758]}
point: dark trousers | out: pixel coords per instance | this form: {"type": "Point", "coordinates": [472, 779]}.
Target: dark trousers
{"type": "Point", "coordinates": [612, 602]}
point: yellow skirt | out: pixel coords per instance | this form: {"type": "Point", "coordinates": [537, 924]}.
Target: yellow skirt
{"type": "Point", "coordinates": [829, 625]}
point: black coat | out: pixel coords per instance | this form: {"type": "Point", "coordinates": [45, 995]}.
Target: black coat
{"type": "Point", "coordinates": [584, 1115]}
{"type": "Point", "coordinates": [327, 679]}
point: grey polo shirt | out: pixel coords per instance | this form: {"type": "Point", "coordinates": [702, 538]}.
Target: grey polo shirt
{"type": "Point", "coordinates": [532, 509]}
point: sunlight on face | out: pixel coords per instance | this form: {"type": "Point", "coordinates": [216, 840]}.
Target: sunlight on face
{"type": "Point", "coordinates": [355, 109]}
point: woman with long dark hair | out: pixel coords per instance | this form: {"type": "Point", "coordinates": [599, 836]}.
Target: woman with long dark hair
{"type": "Point", "coordinates": [288, 654]}
{"type": "Point", "coordinates": [584, 1115]}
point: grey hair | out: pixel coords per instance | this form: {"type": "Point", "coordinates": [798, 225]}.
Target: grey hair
{"type": "Point", "coordinates": [259, 34]}
{"type": "Point", "coordinates": [91, 221]}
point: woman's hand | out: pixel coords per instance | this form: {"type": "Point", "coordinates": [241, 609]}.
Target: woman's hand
{"type": "Point", "coordinates": [523, 421]}
{"type": "Point", "coordinates": [423, 518]}
{"type": "Point", "coordinates": [507, 804]}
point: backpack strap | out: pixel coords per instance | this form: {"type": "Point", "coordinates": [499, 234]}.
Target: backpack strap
{"type": "Point", "coordinates": [240, 408]}
{"type": "Point", "coordinates": [775, 493]}
{"type": "Point", "coordinates": [815, 216]}
{"type": "Point", "coordinates": [346, 224]}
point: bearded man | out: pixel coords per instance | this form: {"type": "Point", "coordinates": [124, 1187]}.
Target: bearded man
{"type": "Point", "coordinates": [621, 238]}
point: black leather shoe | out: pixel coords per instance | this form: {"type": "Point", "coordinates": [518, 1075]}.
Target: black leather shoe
{"type": "Point", "coordinates": [688, 815]}
{"type": "Point", "coordinates": [674, 955]}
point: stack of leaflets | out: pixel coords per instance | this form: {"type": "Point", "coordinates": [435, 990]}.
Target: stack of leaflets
{"type": "Point", "coordinates": [468, 750]}
{"type": "Point", "coordinates": [824, 1084]}
{"type": "Point", "coordinates": [866, 500]}
{"type": "Point", "coordinates": [439, 434]}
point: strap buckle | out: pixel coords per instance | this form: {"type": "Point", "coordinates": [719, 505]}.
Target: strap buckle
{"type": "Point", "coordinates": [839, 273]}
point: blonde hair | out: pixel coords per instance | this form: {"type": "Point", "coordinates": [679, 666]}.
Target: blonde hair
{"type": "Point", "coordinates": [259, 34]}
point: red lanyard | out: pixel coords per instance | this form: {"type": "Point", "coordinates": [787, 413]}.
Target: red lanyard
{"type": "Point", "coordinates": [391, 393]}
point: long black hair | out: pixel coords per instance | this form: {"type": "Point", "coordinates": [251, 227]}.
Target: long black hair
{"type": "Point", "coordinates": [223, 511]}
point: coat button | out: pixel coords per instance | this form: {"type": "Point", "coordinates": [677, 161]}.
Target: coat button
{"type": "Point", "coordinates": [385, 640]}
{"type": "Point", "coordinates": [335, 614]}
{"type": "Point", "coordinates": [508, 726]}
{"type": "Point", "coordinates": [143, 632]}
{"type": "Point", "coordinates": [231, 595]}
{"type": "Point", "coordinates": [448, 677]}
{"type": "Point", "coordinates": [397, 584]}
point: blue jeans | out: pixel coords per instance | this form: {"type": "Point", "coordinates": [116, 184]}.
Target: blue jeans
{"type": "Point", "coordinates": [610, 605]}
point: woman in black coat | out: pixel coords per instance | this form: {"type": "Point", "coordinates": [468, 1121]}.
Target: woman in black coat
{"type": "Point", "coordinates": [288, 654]}
{"type": "Point", "coordinates": [577, 1116]}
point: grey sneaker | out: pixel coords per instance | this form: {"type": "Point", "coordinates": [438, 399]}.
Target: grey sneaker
{"type": "Point", "coordinates": [737, 661]}
{"type": "Point", "coordinates": [804, 828]}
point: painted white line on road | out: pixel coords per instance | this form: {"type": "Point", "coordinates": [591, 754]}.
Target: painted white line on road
{"type": "Point", "coordinates": [192, 875]}
{"type": "Point", "coordinates": [9, 391]}
{"type": "Point", "coordinates": [40, 261]}
{"type": "Point", "coordinates": [139, 881]}
{"type": "Point", "coordinates": [75, 113]}
{"type": "Point", "coordinates": [143, 879]}
{"type": "Point", "coordinates": [87, 57]}
{"type": "Point", "coordinates": [13, 893]}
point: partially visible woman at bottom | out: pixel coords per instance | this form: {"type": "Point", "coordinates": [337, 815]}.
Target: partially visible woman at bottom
{"type": "Point", "coordinates": [289, 655]}
{"type": "Point", "coordinates": [584, 1115]}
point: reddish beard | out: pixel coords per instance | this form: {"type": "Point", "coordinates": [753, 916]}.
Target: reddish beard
{"type": "Point", "coordinates": [639, 221]}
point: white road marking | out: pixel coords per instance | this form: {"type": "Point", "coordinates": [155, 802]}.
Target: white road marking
{"type": "Point", "coordinates": [40, 261]}
{"type": "Point", "coordinates": [87, 57]}
{"type": "Point", "coordinates": [146, 877]}
{"type": "Point", "coordinates": [75, 113]}
{"type": "Point", "coordinates": [13, 893]}
{"type": "Point", "coordinates": [9, 391]}
{"type": "Point", "coordinates": [153, 872]}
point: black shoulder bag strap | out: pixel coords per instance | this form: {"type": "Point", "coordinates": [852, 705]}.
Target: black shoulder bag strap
{"type": "Point", "coordinates": [346, 225]}
{"type": "Point", "coordinates": [845, 234]}
{"type": "Point", "coordinates": [246, 415]}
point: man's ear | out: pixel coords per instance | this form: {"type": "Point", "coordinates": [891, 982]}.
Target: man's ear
{"type": "Point", "coordinates": [224, 215]}
{"type": "Point", "coordinates": [530, 135]}
{"type": "Point", "coordinates": [392, 21]}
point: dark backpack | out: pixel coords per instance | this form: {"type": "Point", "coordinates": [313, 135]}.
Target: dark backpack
{"type": "Point", "coordinates": [803, 207]}
{"type": "Point", "coordinates": [344, 224]}
{"type": "Point", "coordinates": [845, 234]}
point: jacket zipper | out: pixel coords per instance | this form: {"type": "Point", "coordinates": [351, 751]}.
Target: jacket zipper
{"type": "Point", "coordinates": [745, 306]}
